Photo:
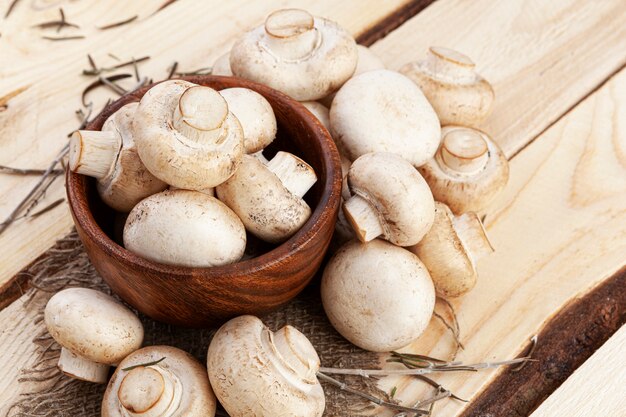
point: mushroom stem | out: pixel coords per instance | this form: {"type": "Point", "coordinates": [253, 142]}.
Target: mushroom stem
{"type": "Point", "coordinates": [363, 217]}
{"type": "Point", "coordinates": [296, 175]}
{"type": "Point", "coordinates": [464, 150]}
{"type": "Point", "coordinates": [200, 113]}
{"type": "Point", "coordinates": [298, 353]}
{"type": "Point", "coordinates": [259, 155]}
{"type": "Point", "coordinates": [449, 64]}
{"type": "Point", "coordinates": [150, 392]}
{"type": "Point", "coordinates": [93, 153]}
{"type": "Point", "coordinates": [78, 367]}
{"type": "Point", "coordinates": [472, 233]}
{"type": "Point", "coordinates": [291, 34]}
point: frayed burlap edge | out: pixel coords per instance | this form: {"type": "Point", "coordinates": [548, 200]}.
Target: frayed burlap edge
{"type": "Point", "coordinates": [49, 393]}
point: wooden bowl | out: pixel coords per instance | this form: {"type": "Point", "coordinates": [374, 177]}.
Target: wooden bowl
{"type": "Point", "coordinates": [201, 297]}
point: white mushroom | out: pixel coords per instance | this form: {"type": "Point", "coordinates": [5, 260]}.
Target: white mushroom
{"type": "Point", "coordinates": [159, 381]}
{"type": "Point", "coordinates": [448, 79]}
{"type": "Point", "coordinates": [383, 111]}
{"type": "Point", "coordinates": [320, 111]}
{"type": "Point", "coordinates": [468, 170]}
{"type": "Point", "coordinates": [268, 198]}
{"type": "Point", "coordinates": [185, 228]}
{"type": "Point", "coordinates": [110, 156]}
{"type": "Point", "coordinates": [377, 295]}
{"type": "Point", "coordinates": [256, 116]}
{"type": "Point", "coordinates": [259, 373]}
{"type": "Point", "coordinates": [302, 56]}
{"type": "Point", "coordinates": [222, 66]}
{"type": "Point", "coordinates": [94, 332]}
{"type": "Point", "coordinates": [450, 250]}
{"type": "Point", "coordinates": [186, 136]}
{"type": "Point", "coordinates": [389, 198]}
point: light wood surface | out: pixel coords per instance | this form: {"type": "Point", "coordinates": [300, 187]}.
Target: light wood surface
{"type": "Point", "coordinates": [35, 126]}
{"type": "Point", "coordinates": [596, 389]}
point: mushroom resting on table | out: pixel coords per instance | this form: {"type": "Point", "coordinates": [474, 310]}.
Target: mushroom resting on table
{"type": "Point", "coordinates": [94, 330]}
{"type": "Point", "coordinates": [258, 373]}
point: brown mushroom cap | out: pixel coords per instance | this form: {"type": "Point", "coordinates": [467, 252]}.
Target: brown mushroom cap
{"type": "Point", "coordinates": [397, 193]}
{"type": "Point", "coordinates": [377, 295]}
{"type": "Point", "coordinates": [178, 385]}
{"type": "Point", "coordinates": [257, 373]}
{"type": "Point", "coordinates": [266, 207]}
{"type": "Point", "coordinates": [448, 79]}
{"type": "Point", "coordinates": [186, 136]}
{"type": "Point", "coordinates": [93, 325]}
{"type": "Point", "coordinates": [447, 251]}
{"type": "Point", "coordinates": [304, 57]}
{"type": "Point", "coordinates": [383, 111]}
{"type": "Point", "coordinates": [464, 176]}
{"type": "Point", "coordinates": [186, 228]}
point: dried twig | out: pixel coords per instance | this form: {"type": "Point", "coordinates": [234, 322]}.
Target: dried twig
{"type": "Point", "coordinates": [12, 6]}
{"type": "Point", "coordinates": [172, 70]}
{"type": "Point", "coordinates": [130, 368]}
{"type": "Point", "coordinates": [120, 23]}
{"type": "Point", "coordinates": [112, 86]}
{"type": "Point", "coordinates": [344, 387]}
{"type": "Point", "coordinates": [59, 24]}
{"type": "Point", "coordinates": [26, 171]}
{"type": "Point", "coordinates": [99, 82]}
{"type": "Point", "coordinates": [95, 70]}
{"type": "Point", "coordinates": [531, 350]}
{"type": "Point", "coordinates": [199, 71]}
{"type": "Point", "coordinates": [63, 38]}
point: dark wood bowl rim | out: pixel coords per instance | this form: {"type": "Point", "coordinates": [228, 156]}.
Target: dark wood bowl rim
{"type": "Point", "coordinates": [329, 199]}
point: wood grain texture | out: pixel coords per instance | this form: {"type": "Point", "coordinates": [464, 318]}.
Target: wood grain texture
{"type": "Point", "coordinates": [565, 343]}
{"type": "Point", "coordinates": [558, 230]}
{"type": "Point", "coordinates": [204, 297]}
{"type": "Point", "coordinates": [541, 57]}
{"type": "Point", "coordinates": [596, 388]}
{"type": "Point", "coordinates": [34, 128]}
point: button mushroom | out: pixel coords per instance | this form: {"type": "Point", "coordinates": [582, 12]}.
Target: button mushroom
{"type": "Point", "coordinates": [320, 111]}
{"type": "Point", "coordinates": [222, 66]}
{"type": "Point", "coordinates": [377, 295]}
{"type": "Point", "coordinates": [468, 171]}
{"type": "Point", "coordinates": [186, 136]}
{"type": "Point", "coordinates": [186, 228]}
{"type": "Point", "coordinates": [302, 56]}
{"type": "Point", "coordinates": [94, 332]}
{"type": "Point", "coordinates": [110, 156]}
{"type": "Point", "coordinates": [268, 198]}
{"type": "Point", "coordinates": [255, 114]}
{"type": "Point", "coordinates": [451, 84]}
{"type": "Point", "coordinates": [383, 111]}
{"type": "Point", "coordinates": [450, 250]}
{"type": "Point", "coordinates": [159, 381]}
{"type": "Point", "coordinates": [389, 198]}
{"type": "Point", "coordinates": [257, 373]}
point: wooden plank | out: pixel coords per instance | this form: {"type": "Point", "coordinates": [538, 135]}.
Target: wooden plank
{"type": "Point", "coordinates": [558, 231]}
{"type": "Point", "coordinates": [542, 57]}
{"type": "Point", "coordinates": [596, 389]}
{"type": "Point", "coordinates": [35, 126]}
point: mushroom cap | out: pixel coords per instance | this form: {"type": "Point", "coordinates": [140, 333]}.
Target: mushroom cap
{"type": "Point", "coordinates": [197, 399]}
{"type": "Point", "coordinates": [129, 181]}
{"type": "Point", "coordinates": [173, 157]}
{"type": "Point", "coordinates": [367, 61]}
{"type": "Point", "coordinates": [458, 94]}
{"type": "Point", "coordinates": [377, 295]}
{"type": "Point", "coordinates": [256, 373]}
{"type": "Point", "coordinates": [221, 66]}
{"type": "Point", "coordinates": [93, 325]}
{"type": "Point", "coordinates": [447, 259]}
{"type": "Point", "coordinates": [320, 111]}
{"type": "Point", "coordinates": [383, 111]}
{"type": "Point", "coordinates": [256, 116]}
{"type": "Point", "coordinates": [186, 228]}
{"type": "Point", "coordinates": [399, 194]}
{"type": "Point", "coordinates": [464, 192]}
{"type": "Point", "coordinates": [321, 71]}
{"type": "Point", "coordinates": [267, 209]}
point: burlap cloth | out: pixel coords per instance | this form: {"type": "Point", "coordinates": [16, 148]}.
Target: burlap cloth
{"type": "Point", "coordinates": [49, 393]}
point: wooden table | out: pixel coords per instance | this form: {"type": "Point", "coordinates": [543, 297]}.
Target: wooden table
{"type": "Point", "coordinates": [559, 228]}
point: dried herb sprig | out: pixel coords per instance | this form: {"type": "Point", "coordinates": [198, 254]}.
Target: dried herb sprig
{"type": "Point", "coordinates": [143, 365]}
{"type": "Point", "coordinates": [344, 387]}
{"type": "Point", "coordinates": [26, 171]}
{"type": "Point", "coordinates": [59, 24]}
{"type": "Point", "coordinates": [95, 70]}
{"type": "Point", "coordinates": [100, 82]}
{"type": "Point", "coordinates": [199, 71]}
{"type": "Point", "coordinates": [11, 7]}
{"type": "Point", "coordinates": [118, 24]}
{"type": "Point", "coordinates": [62, 38]}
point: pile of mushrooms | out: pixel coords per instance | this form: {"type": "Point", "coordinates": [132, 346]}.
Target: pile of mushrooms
{"type": "Point", "coordinates": [186, 162]}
